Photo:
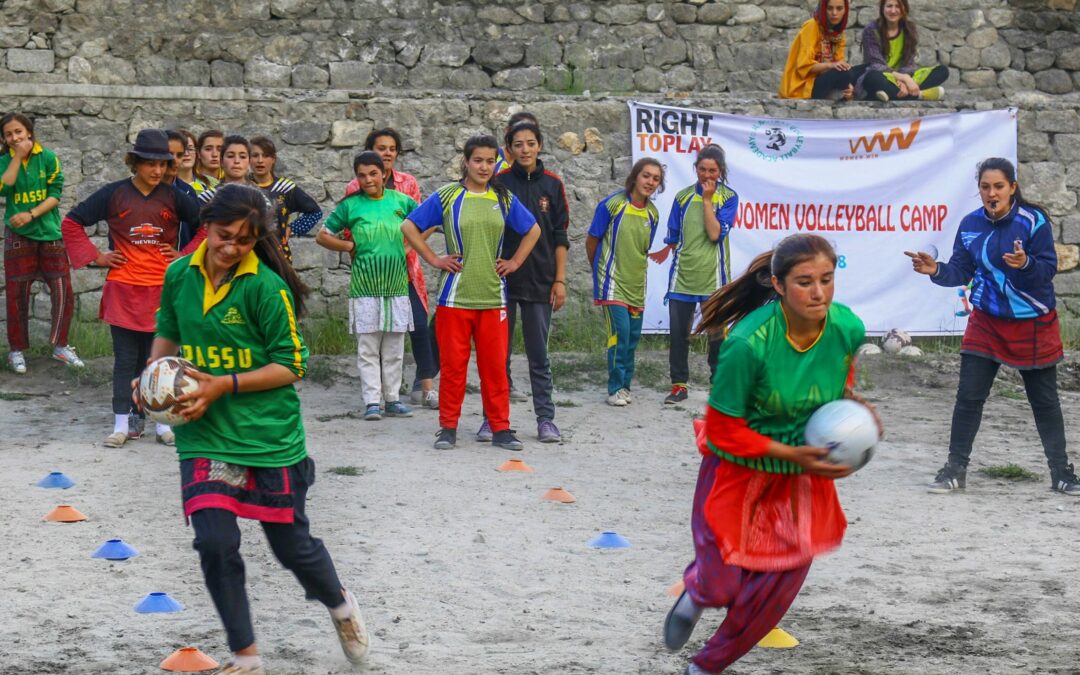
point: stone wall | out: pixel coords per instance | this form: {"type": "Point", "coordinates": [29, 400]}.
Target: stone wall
{"type": "Point", "coordinates": [317, 76]}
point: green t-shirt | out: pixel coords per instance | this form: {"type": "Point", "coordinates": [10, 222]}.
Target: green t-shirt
{"type": "Point", "coordinates": [378, 268]}
{"type": "Point", "coordinates": [762, 378]}
{"type": "Point", "coordinates": [699, 265]}
{"type": "Point", "coordinates": [39, 178]}
{"type": "Point", "coordinates": [896, 51]}
{"type": "Point", "coordinates": [246, 324]}
{"type": "Point", "coordinates": [626, 233]}
{"type": "Point", "coordinates": [474, 224]}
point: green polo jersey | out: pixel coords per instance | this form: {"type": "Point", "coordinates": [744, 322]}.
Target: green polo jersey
{"type": "Point", "coordinates": [699, 265]}
{"type": "Point", "coordinates": [378, 267]}
{"type": "Point", "coordinates": [763, 378]}
{"type": "Point", "coordinates": [625, 232]}
{"type": "Point", "coordinates": [39, 178]}
{"type": "Point", "coordinates": [245, 324]}
{"type": "Point", "coordinates": [474, 224]}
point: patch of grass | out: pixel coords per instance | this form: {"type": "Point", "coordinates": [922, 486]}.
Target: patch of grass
{"type": "Point", "coordinates": [336, 416]}
{"type": "Point", "coordinates": [348, 470]}
{"type": "Point", "coordinates": [89, 376]}
{"type": "Point", "coordinates": [1009, 392]}
{"type": "Point", "coordinates": [938, 344]}
{"type": "Point", "coordinates": [651, 372]}
{"type": "Point", "coordinates": [328, 336]}
{"type": "Point", "coordinates": [567, 403]}
{"type": "Point", "coordinates": [91, 339]}
{"type": "Point", "coordinates": [16, 396]}
{"type": "Point", "coordinates": [1009, 472]}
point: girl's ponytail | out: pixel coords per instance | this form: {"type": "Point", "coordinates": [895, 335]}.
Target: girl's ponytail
{"type": "Point", "coordinates": [738, 298]}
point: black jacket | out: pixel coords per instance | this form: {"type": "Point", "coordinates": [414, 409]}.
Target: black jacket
{"type": "Point", "coordinates": [541, 192]}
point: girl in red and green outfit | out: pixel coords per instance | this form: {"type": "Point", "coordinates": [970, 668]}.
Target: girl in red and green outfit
{"type": "Point", "coordinates": [30, 183]}
{"type": "Point", "coordinates": [474, 214]}
{"type": "Point", "coordinates": [765, 504]}
{"type": "Point", "coordinates": [232, 309]}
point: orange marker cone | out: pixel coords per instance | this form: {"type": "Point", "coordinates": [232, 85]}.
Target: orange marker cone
{"type": "Point", "coordinates": [557, 494]}
{"type": "Point", "coordinates": [64, 514]}
{"type": "Point", "coordinates": [188, 660]}
{"type": "Point", "coordinates": [515, 465]}
{"type": "Point", "coordinates": [676, 589]}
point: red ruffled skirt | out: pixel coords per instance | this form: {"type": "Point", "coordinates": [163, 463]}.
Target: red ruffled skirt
{"type": "Point", "coordinates": [1024, 344]}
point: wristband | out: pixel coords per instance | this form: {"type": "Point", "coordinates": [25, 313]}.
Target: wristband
{"type": "Point", "coordinates": [235, 385]}
{"type": "Point", "coordinates": [559, 281]}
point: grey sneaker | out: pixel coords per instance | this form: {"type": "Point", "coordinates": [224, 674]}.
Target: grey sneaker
{"type": "Point", "coordinates": [506, 440]}
{"type": "Point", "coordinates": [66, 354]}
{"type": "Point", "coordinates": [948, 479]}
{"type": "Point", "coordinates": [547, 432]}
{"type": "Point", "coordinates": [17, 362]}
{"type": "Point", "coordinates": [431, 400]}
{"type": "Point", "coordinates": [416, 397]}
{"type": "Point", "coordinates": [483, 434]}
{"type": "Point", "coordinates": [445, 438]}
{"type": "Point", "coordinates": [1065, 482]}
{"type": "Point", "coordinates": [518, 396]}
{"type": "Point", "coordinates": [352, 633]}
{"type": "Point", "coordinates": [136, 426]}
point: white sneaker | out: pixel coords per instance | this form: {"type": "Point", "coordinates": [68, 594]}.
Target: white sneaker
{"type": "Point", "coordinates": [625, 394]}
{"type": "Point", "coordinates": [352, 633]}
{"type": "Point", "coordinates": [518, 396]}
{"type": "Point", "coordinates": [431, 400]}
{"type": "Point", "coordinates": [17, 362]}
{"type": "Point", "coordinates": [66, 354]}
{"type": "Point", "coordinates": [115, 440]}
{"type": "Point", "coordinates": [234, 669]}
{"type": "Point", "coordinates": [616, 400]}
{"type": "Point", "coordinates": [882, 96]}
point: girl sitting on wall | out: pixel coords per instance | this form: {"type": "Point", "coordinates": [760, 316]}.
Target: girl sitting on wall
{"type": "Point", "coordinates": [815, 65]}
{"type": "Point", "coordinates": [889, 45]}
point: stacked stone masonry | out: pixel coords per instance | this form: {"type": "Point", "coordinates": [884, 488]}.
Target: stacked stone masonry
{"type": "Point", "coordinates": [317, 75]}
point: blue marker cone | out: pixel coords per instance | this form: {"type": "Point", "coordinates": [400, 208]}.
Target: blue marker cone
{"type": "Point", "coordinates": [55, 481]}
{"type": "Point", "coordinates": [158, 602]}
{"type": "Point", "coordinates": [610, 540]}
{"type": "Point", "coordinates": [114, 549]}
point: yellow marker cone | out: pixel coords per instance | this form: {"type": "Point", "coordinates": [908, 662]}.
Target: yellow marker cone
{"type": "Point", "coordinates": [778, 638]}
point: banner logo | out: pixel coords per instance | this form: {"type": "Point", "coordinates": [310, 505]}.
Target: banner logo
{"type": "Point", "coordinates": [868, 148]}
{"type": "Point", "coordinates": [775, 141]}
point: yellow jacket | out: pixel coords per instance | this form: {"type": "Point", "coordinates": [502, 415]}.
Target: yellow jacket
{"type": "Point", "coordinates": [809, 48]}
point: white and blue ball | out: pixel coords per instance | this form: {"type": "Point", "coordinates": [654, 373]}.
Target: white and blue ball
{"type": "Point", "coordinates": [846, 429]}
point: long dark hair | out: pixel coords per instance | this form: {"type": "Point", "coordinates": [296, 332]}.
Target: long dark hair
{"type": "Point", "coordinates": [472, 145]}
{"type": "Point", "coordinates": [636, 170]}
{"type": "Point", "coordinates": [716, 154]}
{"type": "Point", "coordinates": [21, 119]}
{"type": "Point", "coordinates": [754, 288]}
{"type": "Point", "coordinates": [1006, 167]}
{"type": "Point", "coordinates": [822, 18]}
{"type": "Point", "coordinates": [233, 202]}
{"type": "Point", "coordinates": [199, 170]}
{"type": "Point", "coordinates": [907, 28]}
{"type": "Point", "coordinates": [524, 125]}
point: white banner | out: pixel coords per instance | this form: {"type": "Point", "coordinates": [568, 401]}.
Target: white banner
{"type": "Point", "coordinates": [874, 188]}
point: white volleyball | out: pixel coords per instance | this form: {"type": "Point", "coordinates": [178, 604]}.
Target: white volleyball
{"type": "Point", "coordinates": [161, 384]}
{"type": "Point", "coordinates": [846, 429]}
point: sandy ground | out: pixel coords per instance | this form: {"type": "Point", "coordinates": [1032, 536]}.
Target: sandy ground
{"type": "Point", "coordinates": [462, 569]}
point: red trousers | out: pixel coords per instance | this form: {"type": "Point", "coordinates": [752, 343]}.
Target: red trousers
{"type": "Point", "coordinates": [26, 260]}
{"type": "Point", "coordinates": [455, 331]}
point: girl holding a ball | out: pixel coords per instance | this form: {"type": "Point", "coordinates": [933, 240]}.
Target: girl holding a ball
{"type": "Point", "coordinates": [1005, 249]}
{"type": "Point", "coordinates": [765, 505]}
{"type": "Point", "coordinates": [232, 309]}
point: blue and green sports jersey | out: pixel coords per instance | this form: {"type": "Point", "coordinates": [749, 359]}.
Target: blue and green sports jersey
{"type": "Point", "coordinates": [378, 266]}
{"type": "Point", "coordinates": [626, 232]}
{"type": "Point", "coordinates": [763, 378]}
{"type": "Point", "coordinates": [474, 224]}
{"type": "Point", "coordinates": [699, 265]}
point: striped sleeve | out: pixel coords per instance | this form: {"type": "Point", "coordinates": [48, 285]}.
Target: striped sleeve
{"type": "Point", "coordinates": [280, 327]}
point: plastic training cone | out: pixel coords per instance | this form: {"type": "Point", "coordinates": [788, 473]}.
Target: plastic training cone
{"type": "Point", "coordinates": [676, 589]}
{"type": "Point", "coordinates": [609, 540]}
{"type": "Point", "coordinates": [557, 494]}
{"type": "Point", "coordinates": [188, 660]}
{"type": "Point", "coordinates": [65, 514]}
{"type": "Point", "coordinates": [778, 638]}
{"type": "Point", "coordinates": [114, 549]}
{"type": "Point", "coordinates": [156, 603]}
{"type": "Point", "coordinates": [55, 481]}
{"type": "Point", "coordinates": [515, 465]}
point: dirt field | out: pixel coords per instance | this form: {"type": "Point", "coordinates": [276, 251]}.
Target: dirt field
{"type": "Point", "coordinates": [462, 569]}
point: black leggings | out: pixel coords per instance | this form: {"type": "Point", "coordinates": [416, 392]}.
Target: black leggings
{"type": "Point", "coordinates": [876, 81]}
{"type": "Point", "coordinates": [832, 81]}
{"type": "Point", "coordinates": [422, 338]}
{"type": "Point", "coordinates": [131, 348]}
{"type": "Point", "coordinates": [976, 378]}
{"type": "Point", "coordinates": [217, 539]}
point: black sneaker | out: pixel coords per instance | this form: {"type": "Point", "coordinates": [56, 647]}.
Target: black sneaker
{"type": "Point", "coordinates": [678, 395]}
{"type": "Point", "coordinates": [1065, 482]}
{"type": "Point", "coordinates": [445, 438]}
{"type": "Point", "coordinates": [506, 440]}
{"type": "Point", "coordinates": [950, 478]}
{"type": "Point", "coordinates": [680, 622]}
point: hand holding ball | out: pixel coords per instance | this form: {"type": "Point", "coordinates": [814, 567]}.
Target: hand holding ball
{"type": "Point", "coordinates": [847, 429]}
{"type": "Point", "coordinates": [162, 383]}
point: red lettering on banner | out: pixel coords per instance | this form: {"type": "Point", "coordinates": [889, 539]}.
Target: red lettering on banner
{"type": "Point", "coordinates": [858, 218]}
{"type": "Point", "coordinates": [672, 143]}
